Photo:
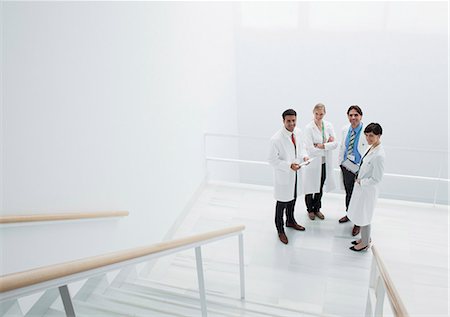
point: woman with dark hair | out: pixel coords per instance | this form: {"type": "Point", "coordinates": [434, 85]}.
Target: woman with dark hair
{"type": "Point", "coordinates": [365, 191]}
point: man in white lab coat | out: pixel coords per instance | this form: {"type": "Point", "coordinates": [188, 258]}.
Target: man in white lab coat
{"type": "Point", "coordinates": [286, 154]}
{"type": "Point", "coordinates": [352, 148]}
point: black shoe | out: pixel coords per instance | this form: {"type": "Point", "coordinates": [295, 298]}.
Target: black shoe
{"type": "Point", "coordinates": [359, 250]}
{"type": "Point", "coordinates": [344, 219]}
{"type": "Point", "coordinates": [355, 242]}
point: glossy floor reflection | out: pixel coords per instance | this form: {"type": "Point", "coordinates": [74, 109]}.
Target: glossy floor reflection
{"type": "Point", "coordinates": [316, 271]}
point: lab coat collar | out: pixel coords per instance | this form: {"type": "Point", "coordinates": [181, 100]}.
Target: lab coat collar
{"type": "Point", "coordinates": [358, 128]}
{"type": "Point", "coordinates": [287, 133]}
{"type": "Point", "coordinates": [375, 150]}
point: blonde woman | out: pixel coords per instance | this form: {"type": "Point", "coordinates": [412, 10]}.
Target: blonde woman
{"type": "Point", "coordinates": [320, 141]}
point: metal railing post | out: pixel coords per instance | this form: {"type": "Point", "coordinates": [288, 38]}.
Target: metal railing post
{"type": "Point", "coordinates": [201, 281]}
{"type": "Point", "coordinates": [373, 273]}
{"type": "Point", "coordinates": [67, 301]}
{"type": "Point", "coordinates": [379, 297]}
{"type": "Point", "coordinates": [436, 187]}
{"type": "Point", "coordinates": [241, 265]}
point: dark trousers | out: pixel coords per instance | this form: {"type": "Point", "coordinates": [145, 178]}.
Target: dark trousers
{"type": "Point", "coordinates": [279, 212]}
{"type": "Point", "coordinates": [289, 206]}
{"type": "Point", "coordinates": [349, 183]}
{"type": "Point", "coordinates": [313, 201]}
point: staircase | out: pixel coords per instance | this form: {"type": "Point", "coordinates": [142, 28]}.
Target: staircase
{"type": "Point", "coordinates": [144, 292]}
{"type": "Point", "coordinates": [144, 297]}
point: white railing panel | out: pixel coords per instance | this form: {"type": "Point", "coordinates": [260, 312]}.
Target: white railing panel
{"type": "Point", "coordinates": [410, 174]}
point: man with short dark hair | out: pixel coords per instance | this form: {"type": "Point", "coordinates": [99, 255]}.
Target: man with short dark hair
{"type": "Point", "coordinates": [352, 148]}
{"type": "Point", "coordinates": [286, 153]}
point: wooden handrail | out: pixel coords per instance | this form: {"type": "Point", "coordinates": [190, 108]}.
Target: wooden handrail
{"type": "Point", "coordinates": [397, 305]}
{"type": "Point", "coordinates": [26, 278]}
{"type": "Point", "coordinates": [61, 216]}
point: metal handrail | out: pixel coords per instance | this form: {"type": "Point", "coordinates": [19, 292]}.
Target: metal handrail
{"type": "Point", "coordinates": [231, 160]}
{"type": "Point", "coordinates": [404, 148]}
{"type": "Point", "coordinates": [19, 284]}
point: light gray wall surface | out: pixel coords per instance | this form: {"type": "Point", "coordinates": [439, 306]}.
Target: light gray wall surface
{"type": "Point", "coordinates": [104, 104]}
{"type": "Point", "coordinates": [104, 108]}
{"type": "Point", "coordinates": [390, 58]}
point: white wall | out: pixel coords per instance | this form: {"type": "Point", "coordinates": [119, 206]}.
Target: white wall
{"type": "Point", "coordinates": [391, 58]}
{"type": "Point", "coordinates": [2, 117]}
{"type": "Point", "coordinates": [105, 105]}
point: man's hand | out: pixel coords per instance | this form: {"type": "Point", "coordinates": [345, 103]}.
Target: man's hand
{"type": "Point", "coordinates": [295, 166]}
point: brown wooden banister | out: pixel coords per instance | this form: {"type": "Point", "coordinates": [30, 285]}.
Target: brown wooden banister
{"type": "Point", "coordinates": [397, 305]}
{"type": "Point", "coordinates": [61, 216]}
{"type": "Point", "coordinates": [47, 273]}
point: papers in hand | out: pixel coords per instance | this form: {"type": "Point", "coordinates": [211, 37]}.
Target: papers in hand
{"type": "Point", "coordinates": [306, 162]}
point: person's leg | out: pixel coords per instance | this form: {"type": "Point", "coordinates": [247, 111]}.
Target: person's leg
{"type": "Point", "coordinates": [290, 220]}
{"type": "Point", "coordinates": [365, 235]}
{"type": "Point", "coordinates": [318, 196]}
{"type": "Point", "coordinates": [349, 183]}
{"type": "Point", "coordinates": [309, 202]}
{"type": "Point", "coordinates": [279, 212]}
{"type": "Point", "coordinates": [290, 212]}
{"type": "Point", "coordinates": [279, 222]}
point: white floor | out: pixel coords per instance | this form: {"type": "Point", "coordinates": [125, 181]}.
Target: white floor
{"type": "Point", "coordinates": [316, 271]}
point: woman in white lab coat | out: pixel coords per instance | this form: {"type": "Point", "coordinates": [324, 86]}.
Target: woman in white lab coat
{"type": "Point", "coordinates": [319, 141]}
{"type": "Point", "coordinates": [365, 192]}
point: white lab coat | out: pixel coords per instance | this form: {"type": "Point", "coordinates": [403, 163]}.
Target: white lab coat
{"type": "Point", "coordinates": [281, 155]}
{"type": "Point", "coordinates": [312, 172]}
{"type": "Point", "coordinates": [364, 195]}
{"type": "Point", "coordinates": [362, 147]}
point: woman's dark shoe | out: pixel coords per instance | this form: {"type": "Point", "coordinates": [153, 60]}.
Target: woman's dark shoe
{"type": "Point", "coordinates": [343, 219]}
{"type": "Point", "coordinates": [355, 242]}
{"type": "Point", "coordinates": [359, 250]}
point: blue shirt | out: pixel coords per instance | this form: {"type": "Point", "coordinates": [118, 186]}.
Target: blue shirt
{"type": "Point", "coordinates": [355, 144]}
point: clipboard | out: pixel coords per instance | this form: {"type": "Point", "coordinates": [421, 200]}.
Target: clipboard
{"type": "Point", "coordinates": [304, 163]}
{"type": "Point", "coordinates": [350, 166]}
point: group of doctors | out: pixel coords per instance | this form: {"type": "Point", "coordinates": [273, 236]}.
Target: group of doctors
{"type": "Point", "coordinates": [303, 164]}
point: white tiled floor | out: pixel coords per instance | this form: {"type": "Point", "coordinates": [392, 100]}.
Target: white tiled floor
{"type": "Point", "coordinates": [316, 271]}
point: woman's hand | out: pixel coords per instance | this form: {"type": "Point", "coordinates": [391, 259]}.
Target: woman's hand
{"type": "Point", "coordinates": [319, 145]}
